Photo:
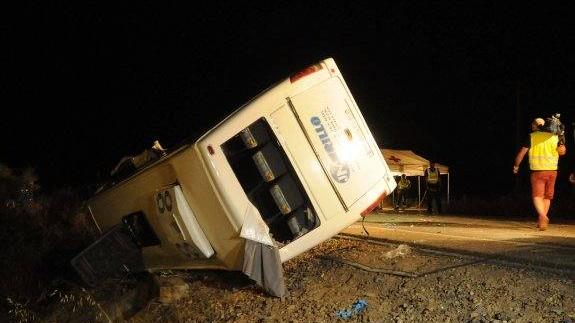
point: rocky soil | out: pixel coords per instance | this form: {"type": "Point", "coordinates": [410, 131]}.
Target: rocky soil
{"type": "Point", "coordinates": [444, 289]}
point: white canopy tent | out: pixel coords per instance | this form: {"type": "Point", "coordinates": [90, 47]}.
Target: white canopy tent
{"type": "Point", "coordinates": [409, 163]}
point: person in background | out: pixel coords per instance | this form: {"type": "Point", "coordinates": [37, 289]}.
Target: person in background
{"type": "Point", "coordinates": [433, 183]}
{"type": "Point", "coordinates": [544, 151]}
{"type": "Point", "coordinates": [402, 186]}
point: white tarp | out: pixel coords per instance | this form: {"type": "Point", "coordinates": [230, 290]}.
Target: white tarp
{"type": "Point", "coordinates": [254, 228]}
{"type": "Point", "coordinates": [409, 163]}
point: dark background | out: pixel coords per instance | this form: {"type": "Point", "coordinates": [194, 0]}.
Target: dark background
{"type": "Point", "coordinates": [83, 84]}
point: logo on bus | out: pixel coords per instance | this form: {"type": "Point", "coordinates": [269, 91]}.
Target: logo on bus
{"type": "Point", "coordinates": [339, 170]}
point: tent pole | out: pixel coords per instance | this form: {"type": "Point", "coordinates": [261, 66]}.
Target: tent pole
{"type": "Point", "coordinates": [418, 191]}
{"type": "Point", "coordinates": [447, 188]}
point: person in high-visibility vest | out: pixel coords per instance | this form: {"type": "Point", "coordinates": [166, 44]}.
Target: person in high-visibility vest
{"type": "Point", "coordinates": [402, 186]}
{"type": "Point", "coordinates": [544, 151]}
{"type": "Point", "coordinates": [433, 183]}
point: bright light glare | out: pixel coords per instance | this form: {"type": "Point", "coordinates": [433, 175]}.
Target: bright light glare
{"type": "Point", "coordinates": [348, 150]}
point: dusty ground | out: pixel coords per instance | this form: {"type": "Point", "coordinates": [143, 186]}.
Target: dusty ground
{"type": "Point", "coordinates": [449, 289]}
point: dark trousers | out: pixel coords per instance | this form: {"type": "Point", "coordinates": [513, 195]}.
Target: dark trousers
{"type": "Point", "coordinates": [433, 197]}
{"type": "Point", "coordinates": [400, 200]}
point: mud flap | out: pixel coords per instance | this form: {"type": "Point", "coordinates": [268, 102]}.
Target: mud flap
{"type": "Point", "coordinates": [111, 256]}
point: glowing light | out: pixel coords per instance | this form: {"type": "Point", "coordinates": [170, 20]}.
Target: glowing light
{"type": "Point", "coordinates": [348, 150]}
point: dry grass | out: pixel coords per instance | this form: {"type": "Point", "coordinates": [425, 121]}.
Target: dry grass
{"type": "Point", "coordinates": [39, 235]}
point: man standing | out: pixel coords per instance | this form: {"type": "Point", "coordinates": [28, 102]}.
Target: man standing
{"type": "Point", "coordinates": [433, 188]}
{"type": "Point", "coordinates": [402, 187]}
{"type": "Point", "coordinates": [544, 151]}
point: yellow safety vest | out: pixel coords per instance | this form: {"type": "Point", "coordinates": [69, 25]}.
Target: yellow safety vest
{"type": "Point", "coordinates": [432, 176]}
{"type": "Point", "coordinates": [543, 152]}
{"type": "Point", "coordinates": [403, 184]}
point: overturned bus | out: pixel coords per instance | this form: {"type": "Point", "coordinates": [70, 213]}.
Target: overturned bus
{"type": "Point", "coordinates": [287, 170]}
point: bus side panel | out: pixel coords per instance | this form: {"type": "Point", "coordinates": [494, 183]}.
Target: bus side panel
{"type": "Point", "coordinates": [138, 195]}
{"type": "Point", "coordinates": [135, 195]}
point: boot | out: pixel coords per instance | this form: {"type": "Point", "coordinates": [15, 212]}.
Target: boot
{"type": "Point", "coordinates": [543, 223]}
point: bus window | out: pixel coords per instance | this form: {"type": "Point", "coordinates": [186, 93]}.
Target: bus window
{"type": "Point", "coordinates": [270, 182]}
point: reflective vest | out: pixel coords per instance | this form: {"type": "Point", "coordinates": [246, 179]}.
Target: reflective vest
{"type": "Point", "coordinates": [403, 184]}
{"type": "Point", "coordinates": [543, 152]}
{"type": "Point", "coordinates": [432, 176]}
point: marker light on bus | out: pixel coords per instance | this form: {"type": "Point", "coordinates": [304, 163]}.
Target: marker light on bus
{"type": "Point", "coordinates": [306, 71]}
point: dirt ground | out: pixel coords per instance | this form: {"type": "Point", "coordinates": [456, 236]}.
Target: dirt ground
{"type": "Point", "coordinates": [446, 288]}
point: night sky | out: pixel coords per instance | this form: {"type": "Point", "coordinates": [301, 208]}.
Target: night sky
{"type": "Point", "coordinates": [84, 84]}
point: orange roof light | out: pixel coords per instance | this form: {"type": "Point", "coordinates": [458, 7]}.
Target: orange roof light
{"type": "Point", "coordinates": [305, 72]}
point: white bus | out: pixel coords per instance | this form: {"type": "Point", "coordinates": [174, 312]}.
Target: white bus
{"type": "Point", "coordinates": [292, 167]}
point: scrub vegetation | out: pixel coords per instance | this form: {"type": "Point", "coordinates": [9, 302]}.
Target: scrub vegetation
{"type": "Point", "coordinates": [39, 234]}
